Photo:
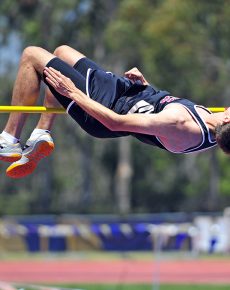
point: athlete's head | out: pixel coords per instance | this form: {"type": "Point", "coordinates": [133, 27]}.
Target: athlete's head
{"type": "Point", "coordinates": [222, 133]}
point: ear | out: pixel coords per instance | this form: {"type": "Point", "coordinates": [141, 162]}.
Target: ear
{"type": "Point", "coordinates": [226, 119]}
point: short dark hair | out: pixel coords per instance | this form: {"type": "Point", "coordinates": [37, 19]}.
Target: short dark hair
{"type": "Point", "coordinates": [222, 133]}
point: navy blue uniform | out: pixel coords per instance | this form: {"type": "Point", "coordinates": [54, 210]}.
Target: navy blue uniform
{"type": "Point", "coordinates": [123, 97]}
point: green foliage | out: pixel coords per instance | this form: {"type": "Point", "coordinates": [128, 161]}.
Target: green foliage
{"type": "Point", "coordinates": [182, 48]}
{"type": "Point", "coordinates": [147, 287]}
{"type": "Point", "coordinates": [180, 45]}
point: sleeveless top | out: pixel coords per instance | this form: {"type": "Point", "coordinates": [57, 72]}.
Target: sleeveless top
{"type": "Point", "coordinates": [150, 101]}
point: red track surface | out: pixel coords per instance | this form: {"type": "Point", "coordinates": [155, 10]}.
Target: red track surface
{"type": "Point", "coordinates": [122, 271]}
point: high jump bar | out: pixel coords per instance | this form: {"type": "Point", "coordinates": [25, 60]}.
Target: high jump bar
{"type": "Point", "coordinates": [31, 109]}
{"type": "Point", "coordinates": [42, 109]}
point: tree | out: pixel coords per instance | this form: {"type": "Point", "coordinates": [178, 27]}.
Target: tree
{"type": "Point", "coordinates": [77, 24]}
{"type": "Point", "coordinates": [180, 47]}
{"type": "Point", "coordinates": [183, 48]}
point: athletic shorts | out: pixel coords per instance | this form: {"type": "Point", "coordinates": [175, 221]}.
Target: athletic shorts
{"type": "Point", "coordinates": [101, 86]}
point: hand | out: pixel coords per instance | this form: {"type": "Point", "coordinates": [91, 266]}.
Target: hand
{"type": "Point", "coordinates": [135, 75]}
{"type": "Point", "coordinates": [59, 82]}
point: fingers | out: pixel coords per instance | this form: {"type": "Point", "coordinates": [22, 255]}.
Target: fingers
{"type": "Point", "coordinates": [53, 84]}
{"type": "Point", "coordinates": [54, 71]}
{"type": "Point", "coordinates": [132, 71]}
{"type": "Point", "coordinates": [59, 82]}
{"type": "Point", "coordinates": [56, 79]}
{"type": "Point", "coordinates": [58, 73]}
{"type": "Point", "coordinates": [51, 80]}
{"type": "Point", "coordinates": [53, 74]}
{"type": "Point", "coordinates": [134, 74]}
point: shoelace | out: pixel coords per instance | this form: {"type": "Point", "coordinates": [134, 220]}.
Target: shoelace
{"type": "Point", "coordinates": [25, 147]}
{"type": "Point", "coordinates": [4, 145]}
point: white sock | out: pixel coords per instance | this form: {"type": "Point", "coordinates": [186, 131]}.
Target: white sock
{"type": "Point", "coordinates": [38, 132]}
{"type": "Point", "coordinates": [9, 138]}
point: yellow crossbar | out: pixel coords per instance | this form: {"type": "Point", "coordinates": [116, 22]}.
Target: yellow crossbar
{"type": "Point", "coordinates": [41, 109]}
{"type": "Point", "coordinates": [31, 109]}
{"type": "Point", "coordinates": [217, 109]}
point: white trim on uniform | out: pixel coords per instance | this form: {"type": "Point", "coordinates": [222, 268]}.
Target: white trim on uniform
{"type": "Point", "coordinates": [87, 90]}
{"type": "Point", "coordinates": [69, 106]}
{"type": "Point", "coordinates": [87, 81]}
{"type": "Point", "coordinates": [141, 107]}
{"type": "Point", "coordinates": [209, 134]}
{"type": "Point", "coordinates": [196, 148]}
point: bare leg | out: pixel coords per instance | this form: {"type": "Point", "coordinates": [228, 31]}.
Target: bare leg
{"type": "Point", "coordinates": [27, 86]}
{"type": "Point", "coordinates": [46, 120]}
{"type": "Point", "coordinates": [40, 143]}
{"type": "Point", "coordinates": [26, 91]}
{"type": "Point", "coordinates": [70, 56]}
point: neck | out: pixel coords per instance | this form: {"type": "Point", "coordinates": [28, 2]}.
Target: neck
{"type": "Point", "coordinates": [214, 120]}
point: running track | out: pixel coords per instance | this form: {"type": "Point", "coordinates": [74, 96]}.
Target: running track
{"type": "Point", "coordinates": [121, 271]}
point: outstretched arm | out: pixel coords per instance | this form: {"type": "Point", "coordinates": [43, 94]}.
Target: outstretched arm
{"type": "Point", "coordinates": [151, 124]}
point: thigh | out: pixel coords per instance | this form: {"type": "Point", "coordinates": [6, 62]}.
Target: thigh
{"type": "Point", "coordinates": [75, 59]}
{"type": "Point", "coordinates": [69, 72]}
{"type": "Point", "coordinates": [92, 126]}
{"type": "Point", "coordinates": [83, 64]}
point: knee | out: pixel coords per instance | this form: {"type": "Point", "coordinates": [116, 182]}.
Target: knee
{"type": "Point", "coordinates": [29, 53]}
{"type": "Point", "coordinates": [68, 54]}
{"type": "Point", "coordinates": [61, 51]}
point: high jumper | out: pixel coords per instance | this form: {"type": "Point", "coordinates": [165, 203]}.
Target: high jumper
{"type": "Point", "coordinates": [105, 106]}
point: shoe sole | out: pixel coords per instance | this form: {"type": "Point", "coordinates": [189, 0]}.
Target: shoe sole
{"type": "Point", "coordinates": [11, 157]}
{"type": "Point", "coordinates": [42, 149]}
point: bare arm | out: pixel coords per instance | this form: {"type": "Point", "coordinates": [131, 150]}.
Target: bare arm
{"type": "Point", "coordinates": [152, 124]}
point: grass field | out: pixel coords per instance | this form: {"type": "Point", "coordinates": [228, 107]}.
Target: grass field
{"type": "Point", "coordinates": [124, 287]}
{"type": "Point", "coordinates": [109, 256]}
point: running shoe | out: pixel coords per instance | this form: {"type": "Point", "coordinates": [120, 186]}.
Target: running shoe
{"type": "Point", "coordinates": [35, 149]}
{"type": "Point", "coordinates": [9, 152]}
